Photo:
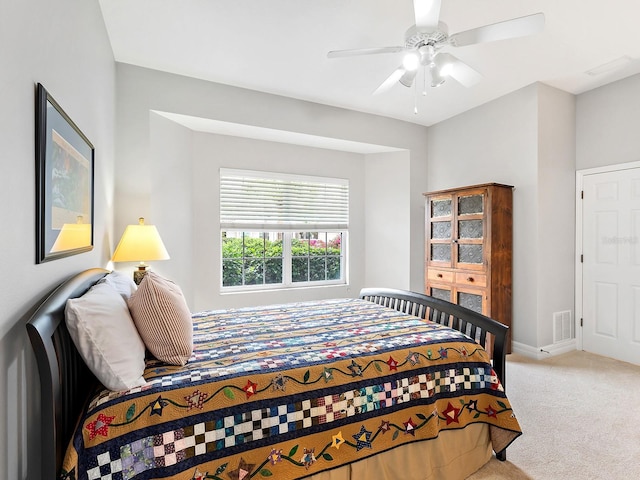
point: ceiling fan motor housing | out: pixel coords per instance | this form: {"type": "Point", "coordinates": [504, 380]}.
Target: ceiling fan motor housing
{"type": "Point", "coordinates": [414, 38]}
{"type": "Point", "coordinates": [426, 43]}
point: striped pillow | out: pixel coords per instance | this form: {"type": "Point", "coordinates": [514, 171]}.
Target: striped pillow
{"type": "Point", "coordinates": [163, 319]}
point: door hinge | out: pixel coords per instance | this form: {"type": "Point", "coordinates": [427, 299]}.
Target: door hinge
{"type": "Point", "coordinates": [581, 321]}
{"type": "Point", "coordinates": [582, 194]}
{"type": "Point", "coordinates": [581, 258]}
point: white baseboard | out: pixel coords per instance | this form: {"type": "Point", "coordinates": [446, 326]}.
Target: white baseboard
{"type": "Point", "coordinates": [540, 353]}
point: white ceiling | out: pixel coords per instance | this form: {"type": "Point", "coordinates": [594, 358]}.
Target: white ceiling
{"type": "Point", "coordinates": [280, 47]}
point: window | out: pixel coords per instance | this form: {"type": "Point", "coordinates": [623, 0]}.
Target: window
{"type": "Point", "coordinates": [282, 230]}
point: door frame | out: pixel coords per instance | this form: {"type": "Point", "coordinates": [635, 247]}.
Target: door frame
{"type": "Point", "coordinates": [580, 174]}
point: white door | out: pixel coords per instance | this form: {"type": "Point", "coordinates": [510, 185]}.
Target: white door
{"type": "Point", "coordinates": [611, 264]}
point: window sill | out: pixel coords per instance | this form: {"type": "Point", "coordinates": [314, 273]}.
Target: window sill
{"type": "Point", "coordinates": [266, 291]}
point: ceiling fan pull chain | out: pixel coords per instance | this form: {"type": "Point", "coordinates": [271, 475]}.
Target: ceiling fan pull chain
{"type": "Point", "coordinates": [424, 82]}
{"type": "Point", "coordinates": [415, 98]}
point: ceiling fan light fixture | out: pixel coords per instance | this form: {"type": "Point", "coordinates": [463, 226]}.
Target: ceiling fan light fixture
{"type": "Point", "coordinates": [446, 69]}
{"type": "Point", "coordinates": [411, 61]}
{"type": "Point", "coordinates": [437, 76]}
{"type": "Point", "coordinates": [408, 77]}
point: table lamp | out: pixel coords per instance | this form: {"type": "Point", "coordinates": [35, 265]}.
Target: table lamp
{"type": "Point", "coordinates": [140, 243]}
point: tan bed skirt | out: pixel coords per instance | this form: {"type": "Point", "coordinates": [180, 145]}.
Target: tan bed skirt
{"type": "Point", "coordinates": [454, 455]}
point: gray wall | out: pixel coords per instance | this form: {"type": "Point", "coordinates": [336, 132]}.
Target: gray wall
{"type": "Point", "coordinates": [497, 142]}
{"type": "Point", "coordinates": [521, 139]}
{"type": "Point", "coordinates": [174, 182]}
{"type": "Point", "coordinates": [556, 208]}
{"type": "Point", "coordinates": [64, 46]}
{"type": "Point", "coordinates": [154, 159]}
{"type": "Point", "coordinates": [388, 222]}
{"type": "Point", "coordinates": [608, 121]}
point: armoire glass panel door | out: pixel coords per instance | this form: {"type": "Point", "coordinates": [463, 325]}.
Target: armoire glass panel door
{"type": "Point", "coordinates": [472, 301]}
{"type": "Point", "coordinates": [470, 230]}
{"type": "Point", "coordinates": [441, 293]}
{"type": "Point", "coordinates": [441, 230]}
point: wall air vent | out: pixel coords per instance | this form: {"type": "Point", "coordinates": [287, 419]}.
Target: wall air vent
{"type": "Point", "coordinates": [562, 326]}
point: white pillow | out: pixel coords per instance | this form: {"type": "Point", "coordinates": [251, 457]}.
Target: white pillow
{"type": "Point", "coordinates": [121, 283]}
{"type": "Point", "coordinates": [102, 330]}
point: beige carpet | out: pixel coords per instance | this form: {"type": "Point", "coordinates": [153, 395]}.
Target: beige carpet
{"type": "Point", "coordinates": [580, 416]}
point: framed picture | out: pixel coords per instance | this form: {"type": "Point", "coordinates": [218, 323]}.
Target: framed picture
{"type": "Point", "coordinates": [64, 183]}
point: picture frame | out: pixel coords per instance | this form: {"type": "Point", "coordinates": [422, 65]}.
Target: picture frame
{"type": "Point", "coordinates": [64, 183]}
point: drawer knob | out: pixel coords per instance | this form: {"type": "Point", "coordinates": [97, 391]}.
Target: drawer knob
{"type": "Point", "coordinates": [469, 279]}
{"type": "Point", "coordinates": [439, 275]}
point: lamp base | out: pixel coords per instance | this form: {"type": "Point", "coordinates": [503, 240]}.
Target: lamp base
{"type": "Point", "coordinates": [139, 274]}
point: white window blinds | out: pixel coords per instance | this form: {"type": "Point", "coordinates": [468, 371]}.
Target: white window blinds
{"type": "Point", "coordinates": [251, 200]}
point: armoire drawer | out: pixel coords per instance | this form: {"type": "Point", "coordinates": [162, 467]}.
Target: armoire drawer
{"type": "Point", "coordinates": [476, 279]}
{"type": "Point", "coordinates": [439, 275]}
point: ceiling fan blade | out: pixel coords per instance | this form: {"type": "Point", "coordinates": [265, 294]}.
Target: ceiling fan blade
{"type": "Point", "coordinates": [390, 81]}
{"type": "Point", "coordinates": [363, 51]}
{"type": "Point", "coordinates": [516, 27]}
{"type": "Point", "coordinates": [457, 69]}
{"type": "Point", "coordinates": [427, 14]}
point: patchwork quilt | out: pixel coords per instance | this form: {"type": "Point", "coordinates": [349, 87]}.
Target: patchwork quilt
{"type": "Point", "coordinates": [287, 391]}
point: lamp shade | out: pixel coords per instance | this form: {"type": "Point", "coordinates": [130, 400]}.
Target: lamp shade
{"type": "Point", "coordinates": [140, 243]}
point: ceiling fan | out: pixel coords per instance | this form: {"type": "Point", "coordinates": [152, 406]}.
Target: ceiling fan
{"type": "Point", "coordinates": [424, 42]}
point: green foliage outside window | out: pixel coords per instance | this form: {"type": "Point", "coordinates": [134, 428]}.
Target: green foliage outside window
{"type": "Point", "coordinates": [260, 259]}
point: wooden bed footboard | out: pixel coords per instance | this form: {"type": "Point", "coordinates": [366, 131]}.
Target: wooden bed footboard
{"type": "Point", "coordinates": [484, 330]}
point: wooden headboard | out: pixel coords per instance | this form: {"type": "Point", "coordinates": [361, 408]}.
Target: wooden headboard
{"type": "Point", "coordinates": [65, 381]}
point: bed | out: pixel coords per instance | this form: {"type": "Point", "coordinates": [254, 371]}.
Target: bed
{"type": "Point", "coordinates": [393, 382]}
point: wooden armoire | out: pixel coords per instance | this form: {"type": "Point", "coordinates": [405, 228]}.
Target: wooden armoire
{"type": "Point", "coordinates": [468, 248]}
